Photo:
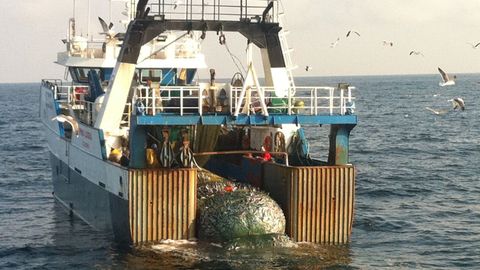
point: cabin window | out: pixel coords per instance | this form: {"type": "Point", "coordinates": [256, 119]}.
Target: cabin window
{"type": "Point", "coordinates": [80, 74]}
{"type": "Point", "coordinates": [106, 74]}
{"type": "Point", "coordinates": [165, 76]}
{"type": "Point", "coordinates": [153, 75]}
{"type": "Point", "coordinates": [169, 76]}
{"type": "Point", "coordinates": [191, 75]}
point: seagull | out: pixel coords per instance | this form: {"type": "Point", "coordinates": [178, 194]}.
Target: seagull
{"type": "Point", "coordinates": [474, 46]}
{"type": "Point", "coordinates": [308, 68]}
{"type": "Point", "coordinates": [176, 4]}
{"type": "Point", "coordinates": [416, 53]}
{"type": "Point", "coordinates": [334, 44]}
{"type": "Point", "coordinates": [458, 103]}
{"type": "Point", "coordinates": [107, 29]}
{"type": "Point", "coordinates": [387, 43]}
{"type": "Point", "coordinates": [352, 32]}
{"type": "Point", "coordinates": [437, 112]}
{"type": "Point", "coordinates": [446, 81]}
{"type": "Point", "coordinates": [69, 119]}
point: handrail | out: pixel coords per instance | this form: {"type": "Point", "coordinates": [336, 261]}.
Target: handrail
{"type": "Point", "coordinates": [84, 110]}
{"type": "Point", "coordinates": [216, 10]}
{"type": "Point", "coordinates": [183, 100]}
{"type": "Point", "coordinates": [197, 100]}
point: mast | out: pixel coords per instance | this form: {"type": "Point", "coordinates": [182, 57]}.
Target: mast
{"type": "Point", "coordinates": [88, 19]}
{"type": "Point", "coordinates": [74, 8]}
{"type": "Point", "coordinates": [110, 10]}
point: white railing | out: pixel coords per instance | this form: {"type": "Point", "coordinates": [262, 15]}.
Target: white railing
{"type": "Point", "coordinates": [169, 99]}
{"type": "Point", "coordinates": [74, 96]}
{"type": "Point", "coordinates": [86, 48]}
{"type": "Point", "coordinates": [202, 101]}
{"type": "Point", "coordinates": [63, 91]}
{"type": "Point", "coordinates": [87, 112]}
{"type": "Point", "coordinates": [301, 100]}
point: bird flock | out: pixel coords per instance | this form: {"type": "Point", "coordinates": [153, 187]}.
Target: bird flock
{"type": "Point", "coordinates": [386, 43]}
{"type": "Point", "coordinates": [457, 103]}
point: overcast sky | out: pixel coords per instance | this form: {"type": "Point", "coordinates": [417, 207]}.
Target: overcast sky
{"type": "Point", "coordinates": [32, 29]}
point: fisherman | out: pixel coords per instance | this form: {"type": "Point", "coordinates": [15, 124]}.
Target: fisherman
{"type": "Point", "coordinates": [140, 107]}
{"type": "Point", "coordinates": [115, 155]}
{"type": "Point", "coordinates": [124, 159]}
{"type": "Point", "coordinates": [350, 108]}
{"type": "Point", "coordinates": [267, 147]}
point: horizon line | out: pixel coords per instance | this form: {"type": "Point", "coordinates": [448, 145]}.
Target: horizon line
{"type": "Point", "coordinates": [312, 76]}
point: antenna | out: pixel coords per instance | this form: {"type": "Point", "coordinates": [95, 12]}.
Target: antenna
{"type": "Point", "coordinates": [110, 9]}
{"type": "Point", "coordinates": [71, 24]}
{"type": "Point", "coordinates": [74, 7]}
{"type": "Point", "coordinates": [88, 20]}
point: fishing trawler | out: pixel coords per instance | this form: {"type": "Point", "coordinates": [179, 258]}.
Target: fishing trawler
{"type": "Point", "coordinates": [130, 131]}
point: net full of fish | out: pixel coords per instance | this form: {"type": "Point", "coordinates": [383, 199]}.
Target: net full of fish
{"type": "Point", "coordinates": [238, 214]}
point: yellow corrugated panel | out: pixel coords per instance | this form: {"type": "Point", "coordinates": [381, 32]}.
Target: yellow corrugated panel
{"type": "Point", "coordinates": [162, 204]}
{"type": "Point", "coordinates": [318, 201]}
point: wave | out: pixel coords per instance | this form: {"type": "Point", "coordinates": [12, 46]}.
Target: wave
{"type": "Point", "coordinates": [381, 224]}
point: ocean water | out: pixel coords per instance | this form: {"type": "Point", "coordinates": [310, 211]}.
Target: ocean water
{"type": "Point", "coordinates": [417, 197]}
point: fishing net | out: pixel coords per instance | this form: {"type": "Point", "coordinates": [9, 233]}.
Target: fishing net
{"type": "Point", "coordinates": [229, 210]}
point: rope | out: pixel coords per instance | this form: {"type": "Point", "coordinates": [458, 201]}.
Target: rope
{"type": "Point", "coordinates": [223, 41]}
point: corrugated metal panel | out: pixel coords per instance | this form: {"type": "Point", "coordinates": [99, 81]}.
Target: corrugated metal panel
{"type": "Point", "coordinates": [318, 201]}
{"type": "Point", "coordinates": [162, 204]}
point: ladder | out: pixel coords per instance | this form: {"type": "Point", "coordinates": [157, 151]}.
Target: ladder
{"type": "Point", "coordinates": [285, 48]}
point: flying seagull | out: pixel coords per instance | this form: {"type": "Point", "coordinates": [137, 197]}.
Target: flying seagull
{"type": "Point", "coordinates": [176, 4]}
{"type": "Point", "coordinates": [69, 119]}
{"type": "Point", "coordinates": [416, 53]}
{"type": "Point", "coordinates": [388, 43]}
{"type": "Point", "coordinates": [446, 81]}
{"type": "Point", "coordinates": [334, 44]}
{"type": "Point", "coordinates": [352, 32]}
{"type": "Point", "coordinates": [107, 29]}
{"type": "Point", "coordinates": [308, 68]}
{"type": "Point", "coordinates": [458, 103]}
{"type": "Point", "coordinates": [474, 46]}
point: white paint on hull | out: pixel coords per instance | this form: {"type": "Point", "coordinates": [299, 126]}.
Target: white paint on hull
{"type": "Point", "coordinates": [84, 153]}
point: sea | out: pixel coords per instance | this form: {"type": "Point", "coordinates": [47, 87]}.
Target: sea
{"type": "Point", "coordinates": [417, 203]}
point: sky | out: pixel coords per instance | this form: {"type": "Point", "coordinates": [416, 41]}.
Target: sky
{"type": "Point", "coordinates": [441, 29]}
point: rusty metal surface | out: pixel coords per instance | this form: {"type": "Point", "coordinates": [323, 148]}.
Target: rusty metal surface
{"type": "Point", "coordinates": [162, 204]}
{"type": "Point", "coordinates": [318, 201]}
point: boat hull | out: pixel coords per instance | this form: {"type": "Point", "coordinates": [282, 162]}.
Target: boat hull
{"type": "Point", "coordinates": [95, 205]}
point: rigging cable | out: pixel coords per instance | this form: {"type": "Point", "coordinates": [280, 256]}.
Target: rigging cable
{"type": "Point", "coordinates": [235, 59]}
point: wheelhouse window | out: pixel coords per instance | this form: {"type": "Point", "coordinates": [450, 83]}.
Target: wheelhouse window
{"type": "Point", "coordinates": [80, 74]}
{"type": "Point", "coordinates": [152, 75]}
{"type": "Point", "coordinates": [164, 76]}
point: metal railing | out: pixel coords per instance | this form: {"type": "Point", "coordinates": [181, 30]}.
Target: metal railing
{"type": "Point", "coordinates": [96, 49]}
{"type": "Point", "coordinates": [300, 100]}
{"type": "Point", "coordinates": [195, 100]}
{"type": "Point", "coordinates": [86, 48]}
{"type": "Point", "coordinates": [169, 99]}
{"type": "Point", "coordinates": [201, 100]}
{"type": "Point", "coordinates": [74, 96]}
{"type": "Point", "coordinates": [216, 10]}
